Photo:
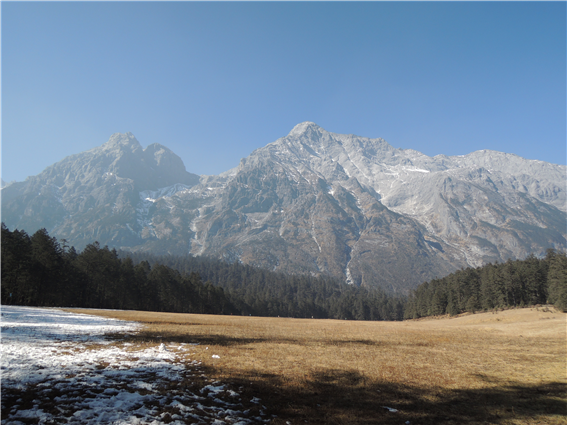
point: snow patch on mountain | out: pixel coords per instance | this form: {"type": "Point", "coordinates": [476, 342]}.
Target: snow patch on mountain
{"type": "Point", "coordinates": [150, 197]}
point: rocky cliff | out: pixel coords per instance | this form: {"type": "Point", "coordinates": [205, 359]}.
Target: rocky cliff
{"type": "Point", "coordinates": [310, 202]}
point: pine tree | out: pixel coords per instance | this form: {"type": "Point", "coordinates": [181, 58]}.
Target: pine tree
{"type": "Point", "coordinates": [557, 279]}
{"type": "Point", "coordinates": [47, 266]}
{"type": "Point", "coordinates": [17, 283]}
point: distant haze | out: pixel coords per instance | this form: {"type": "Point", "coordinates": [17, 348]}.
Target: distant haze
{"type": "Point", "coordinates": [215, 80]}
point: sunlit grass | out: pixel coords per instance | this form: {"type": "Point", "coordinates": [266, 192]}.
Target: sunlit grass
{"type": "Point", "coordinates": [505, 367]}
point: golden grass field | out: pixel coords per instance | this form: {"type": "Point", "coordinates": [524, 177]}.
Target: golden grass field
{"type": "Point", "coordinates": [506, 367]}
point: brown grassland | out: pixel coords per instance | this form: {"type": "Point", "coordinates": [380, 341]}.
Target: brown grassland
{"type": "Point", "coordinates": [506, 367]}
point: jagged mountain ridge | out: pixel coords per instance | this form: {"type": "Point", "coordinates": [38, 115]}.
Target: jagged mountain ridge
{"type": "Point", "coordinates": [450, 196]}
{"type": "Point", "coordinates": [310, 202]}
{"type": "Point", "coordinates": [94, 195]}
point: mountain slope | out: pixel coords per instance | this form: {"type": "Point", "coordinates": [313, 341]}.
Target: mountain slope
{"type": "Point", "coordinates": [94, 195]}
{"type": "Point", "coordinates": [358, 208]}
{"type": "Point", "coordinates": [310, 202]}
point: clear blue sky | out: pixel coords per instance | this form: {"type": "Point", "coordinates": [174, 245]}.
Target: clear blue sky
{"type": "Point", "coordinates": [214, 81]}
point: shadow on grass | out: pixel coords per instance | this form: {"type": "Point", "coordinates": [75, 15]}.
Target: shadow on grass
{"type": "Point", "coordinates": [347, 397]}
{"type": "Point", "coordinates": [174, 337]}
{"type": "Point", "coordinates": [347, 342]}
{"type": "Point", "coordinates": [226, 341]}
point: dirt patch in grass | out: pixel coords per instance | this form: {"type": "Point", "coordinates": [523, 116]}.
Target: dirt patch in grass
{"type": "Point", "coordinates": [505, 367]}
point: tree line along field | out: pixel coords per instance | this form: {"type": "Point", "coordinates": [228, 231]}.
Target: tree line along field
{"type": "Point", "coordinates": [518, 283]}
{"type": "Point", "coordinates": [39, 270]}
{"type": "Point", "coordinates": [502, 367]}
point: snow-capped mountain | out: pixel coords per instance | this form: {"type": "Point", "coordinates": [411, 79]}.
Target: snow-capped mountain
{"type": "Point", "coordinates": [310, 202]}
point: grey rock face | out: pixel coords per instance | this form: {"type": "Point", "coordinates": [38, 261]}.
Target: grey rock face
{"type": "Point", "coordinates": [94, 195]}
{"type": "Point", "coordinates": [311, 202]}
{"type": "Point", "coordinates": [358, 208]}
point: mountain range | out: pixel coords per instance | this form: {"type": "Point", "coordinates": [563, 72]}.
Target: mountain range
{"type": "Point", "coordinates": [311, 202]}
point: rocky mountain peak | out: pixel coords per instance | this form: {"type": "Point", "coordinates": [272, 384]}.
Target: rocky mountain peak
{"type": "Point", "coordinates": [122, 141]}
{"type": "Point", "coordinates": [164, 168]}
{"type": "Point", "coordinates": [163, 156]}
{"type": "Point", "coordinates": [307, 128]}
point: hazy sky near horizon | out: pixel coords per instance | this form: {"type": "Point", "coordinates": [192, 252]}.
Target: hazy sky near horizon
{"type": "Point", "coordinates": [215, 80]}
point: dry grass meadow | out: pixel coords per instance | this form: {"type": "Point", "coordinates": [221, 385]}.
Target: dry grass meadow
{"type": "Point", "coordinates": [506, 367]}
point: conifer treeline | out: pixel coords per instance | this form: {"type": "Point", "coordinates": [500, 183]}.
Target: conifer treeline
{"type": "Point", "coordinates": [512, 284]}
{"type": "Point", "coordinates": [266, 293]}
{"type": "Point", "coordinates": [39, 270]}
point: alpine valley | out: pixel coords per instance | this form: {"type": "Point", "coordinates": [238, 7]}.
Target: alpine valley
{"type": "Point", "coordinates": [311, 202]}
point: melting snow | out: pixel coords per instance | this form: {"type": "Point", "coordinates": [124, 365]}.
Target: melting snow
{"type": "Point", "coordinates": [60, 367]}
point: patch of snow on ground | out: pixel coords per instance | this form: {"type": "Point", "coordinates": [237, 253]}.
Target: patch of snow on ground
{"type": "Point", "coordinates": [59, 367]}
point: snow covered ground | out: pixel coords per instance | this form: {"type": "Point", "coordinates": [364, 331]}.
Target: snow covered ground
{"type": "Point", "coordinates": [62, 368]}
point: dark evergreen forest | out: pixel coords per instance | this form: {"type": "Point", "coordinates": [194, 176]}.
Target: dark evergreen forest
{"type": "Point", "coordinates": [39, 270]}
{"type": "Point", "coordinates": [519, 283]}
